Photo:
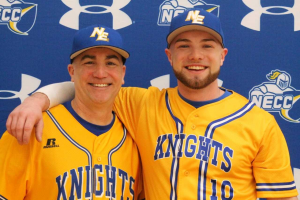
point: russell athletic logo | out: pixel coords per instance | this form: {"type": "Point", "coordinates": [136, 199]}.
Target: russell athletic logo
{"type": "Point", "coordinates": [17, 15]}
{"type": "Point", "coordinates": [171, 8]}
{"type": "Point", "coordinates": [252, 19]}
{"type": "Point", "coordinates": [277, 95]}
{"type": "Point", "coordinates": [28, 85]}
{"type": "Point", "coordinates": [120, 18]}
{"type": "Point", "coordinates": [51, 143]}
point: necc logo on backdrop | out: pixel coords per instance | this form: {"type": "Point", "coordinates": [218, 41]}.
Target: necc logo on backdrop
{"type": "Point", "coordinates": [171, 8]}
{"type": "Point", "coordinates": [252, 19]}
{"type": "Point", "coordinates": [71, 18]}
{"type": "Point", "coordinates": [19, 16]}
{"type": "Point", "coordinates": [277, 95]}
{"type": "Point", "coordinates": [29, 84]}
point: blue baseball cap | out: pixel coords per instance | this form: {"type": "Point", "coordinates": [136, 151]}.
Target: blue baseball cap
{"type": "Point", "coordinates": [97, 36]}
{"type": "Point", "coordinates": [196, 19]}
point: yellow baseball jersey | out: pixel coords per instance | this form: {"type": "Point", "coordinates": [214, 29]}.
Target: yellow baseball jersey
{"type": "Point", "coordinates": [229, 149]}
{"type": "Point", "coordinates": [70, 163]}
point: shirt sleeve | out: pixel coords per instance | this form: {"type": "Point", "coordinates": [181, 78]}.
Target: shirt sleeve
{"type": "Point", "coordinates": [129, 106]}
{"type": "Point", "coordinates": [271, 167]}
{"type": "Point", "coordinates": [58, 93]}
{"type": "Point", "coordinates": [14, 168]}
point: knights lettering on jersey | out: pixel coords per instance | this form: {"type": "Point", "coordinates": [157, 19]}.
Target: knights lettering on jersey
{"type": "Point", "coordinates": [192, 146]}
{"type": "Point", "coordinates": [106, 179]}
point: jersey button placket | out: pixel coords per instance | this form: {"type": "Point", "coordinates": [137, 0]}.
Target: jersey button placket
{"type": "Point", "coordinates": [186, 173]}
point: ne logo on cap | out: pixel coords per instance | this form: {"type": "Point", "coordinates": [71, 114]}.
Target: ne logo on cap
{"type": "Point", "coordinates": [194, 15]}
{"type": "Point", "coordinates": [101, 34]}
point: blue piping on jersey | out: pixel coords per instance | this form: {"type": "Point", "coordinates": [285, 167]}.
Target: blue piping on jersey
{"type": "Point", "coordinates": [220, 122]}
{"type": "Point", "coordinates": [209, 134]}
{"type": "Point", "coordinates": [175, 162]}
{"type": "Point", "coordinates": [78, 146]}
{"type": "Point", "coordinates": [2, 197]}
{"type": "Point", "coordinates": [202, 177]}
{"type": "Point", "coordinates": [116, 148]}
{"type": "Point", "coordinates": [177, 121]}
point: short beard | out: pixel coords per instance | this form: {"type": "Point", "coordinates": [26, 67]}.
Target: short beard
{"type": "Point", "coordinates": [196, 83]}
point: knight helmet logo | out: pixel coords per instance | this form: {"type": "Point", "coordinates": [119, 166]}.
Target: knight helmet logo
{"type": "Point", "coordinates": [171, 8]}
{"type": "Point", "coordinates": [276, 95]}
{"type": "Point", "coordinates": [119, 18]}
{"type": "Point", "coordinates": [19, 16]}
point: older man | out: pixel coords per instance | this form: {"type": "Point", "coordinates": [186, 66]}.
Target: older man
{"type": "Point", "coordinates": [197, 141]}
{"type": "Point", "coordinates": [86, 152]}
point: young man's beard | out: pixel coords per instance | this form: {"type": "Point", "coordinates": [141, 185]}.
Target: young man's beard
{"type": "Point", "coordinates": [196, 83]}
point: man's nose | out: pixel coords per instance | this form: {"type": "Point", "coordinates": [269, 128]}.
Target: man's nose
{"type": "Point", "coordinates": [100, 71]}
{"type": "Point", "coordinates": [196, 54]}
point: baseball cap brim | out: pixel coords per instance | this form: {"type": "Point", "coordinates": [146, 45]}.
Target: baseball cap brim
{"type": "Point", "coordinates": [185, 28]}
{"type": "Point", "coordinates": [120, 51]}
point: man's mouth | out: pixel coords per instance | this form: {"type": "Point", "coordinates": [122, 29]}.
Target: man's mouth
{"type": "Point", "coordinates": [197, 68]}
{"type": "Point", "coordinates": [100, 85]}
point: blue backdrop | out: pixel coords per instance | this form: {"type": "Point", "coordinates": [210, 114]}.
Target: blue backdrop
{"type": "Point", "coordinates": [263, 38]}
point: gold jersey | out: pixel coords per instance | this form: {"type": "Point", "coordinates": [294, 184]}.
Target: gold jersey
{"type": "Point", "coordinates": [229, 149]}
{"type": "Point", "coordinates": [70, 163]}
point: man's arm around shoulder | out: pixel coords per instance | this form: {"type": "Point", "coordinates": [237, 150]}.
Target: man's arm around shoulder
{"type": "Point", "coordinates": [26, 116]}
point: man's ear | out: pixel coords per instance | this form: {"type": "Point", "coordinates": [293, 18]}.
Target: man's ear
{"type": "Point", "coordinates": [124, 72]}
{"type": "Point", "coordinates": [223, 55]}
{"type": "Point", "coordinates": [169, 55]}
{"type": "Point", "coordinates": [71, 71]}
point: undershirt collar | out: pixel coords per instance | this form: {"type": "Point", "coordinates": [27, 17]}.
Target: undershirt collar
{"type": "Point", "coordinates": [198, 104]}
{"type": "Point", "coordinates": [93, 128]}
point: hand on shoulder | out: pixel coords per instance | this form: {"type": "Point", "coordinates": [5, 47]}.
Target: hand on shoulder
{"type": "Point", "coordinates": [26, 116]}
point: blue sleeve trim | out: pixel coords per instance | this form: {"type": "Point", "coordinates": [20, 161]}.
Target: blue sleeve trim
{"type": "Point", "coordinates": [275, 186]}
{"type": "Point", "coordinates": [276, 189]}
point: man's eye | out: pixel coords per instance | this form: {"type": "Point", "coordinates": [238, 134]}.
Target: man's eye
{"type": "Point", "coordinates": [183, 46]}
{"type": "Point", "coordinates": [89, 63]}
{"type": "Point", "coordinates": [111, 63]}
{"type": "Point", "coordinates": [207, 46]}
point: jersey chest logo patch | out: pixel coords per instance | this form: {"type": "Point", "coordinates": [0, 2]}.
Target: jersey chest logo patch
{"type": "Point", "coordinates": [51, 143]}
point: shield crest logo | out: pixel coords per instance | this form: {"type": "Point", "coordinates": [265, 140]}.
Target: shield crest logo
{"type": "Point", "coordinates": [27, 17]}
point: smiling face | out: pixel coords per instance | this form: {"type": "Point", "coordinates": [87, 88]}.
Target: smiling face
{"type": "Point", "coordinates": [98, 75]}
{"type": "Point", "coordinates": [196, 58]}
